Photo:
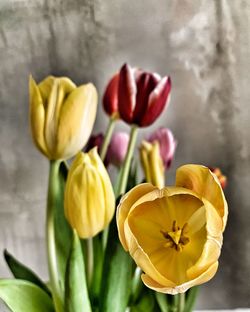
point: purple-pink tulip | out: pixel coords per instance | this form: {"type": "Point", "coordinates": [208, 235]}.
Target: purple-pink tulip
{"type": "Point", "coordinates": [117, 148]}
{"type": "Point", "coordinates": [167, 144]}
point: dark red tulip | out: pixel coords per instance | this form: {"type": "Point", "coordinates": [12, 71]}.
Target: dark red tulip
{"type": "Point", "coordinates": [142, 96]}
{"type": "Point", "coordinates": [110, 97]}
{"type": "Point", "coordinates": [95, 140]}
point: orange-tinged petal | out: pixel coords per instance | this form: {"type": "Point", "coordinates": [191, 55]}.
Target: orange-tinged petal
{"type": "Point", "coordinates": [201, 180]}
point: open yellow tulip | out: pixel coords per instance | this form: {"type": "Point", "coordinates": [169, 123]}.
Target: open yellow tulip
{"type": "Point", "coordinates": [89, 201]}
{"type": "Point", "coordinates": [174, 234]}
{"type": "Point", "coordinates": [61, 116]}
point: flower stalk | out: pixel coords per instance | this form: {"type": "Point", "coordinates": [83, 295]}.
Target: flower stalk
{"type": "Point", "coordinates": [107, 138]}
{"type": "Point", "coordinates": [53, 191]}
{"type": "Point", "coordinates": [122, 183]}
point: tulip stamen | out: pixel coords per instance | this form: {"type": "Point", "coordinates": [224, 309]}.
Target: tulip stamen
{"type": "Point", "coordinates": [177, 237]}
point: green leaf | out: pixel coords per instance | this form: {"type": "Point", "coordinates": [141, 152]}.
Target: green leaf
{"type": "Point", "coordinates": [63, 232]}
{"type": "Point", "coordinates": [23, 296]}
{"type": "Point", "coordinates": [117, 275]}
{"type": "Point", "coordinates": [76, 292]}
{"type": "Point", "coordinates": [191, 298]}
{"type": "Point", "coordinates": [20, 271]}
{"type": "Point", "coordinates": [163, 302]}
{"type": "Point", "coordinates": [146, 303]}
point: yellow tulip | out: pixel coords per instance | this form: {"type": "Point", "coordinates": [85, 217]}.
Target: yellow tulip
{"type": "Point", "coordinates": [174, 234]}
{"type": "Point", "coordinates": [61, 116]}
{"type": "Point", "coordinates": [152, 163]}
{"type": "Point", "coordinates": [89, 201]}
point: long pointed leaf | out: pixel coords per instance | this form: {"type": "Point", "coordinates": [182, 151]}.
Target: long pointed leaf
{"type": "Point", "coordinates": [117, 275]}
{"type": "Point", "coordinates": [76, 292]}
{"type": "Point", "coordinates": [23, 296]}
{"type": "Point", "coordinates": [20, 271]}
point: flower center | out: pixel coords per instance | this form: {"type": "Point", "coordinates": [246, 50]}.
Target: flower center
{"type": "Point", "coordinates": [177, 237]}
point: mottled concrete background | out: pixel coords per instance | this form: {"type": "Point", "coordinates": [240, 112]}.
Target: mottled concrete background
{"type": "Point", "coordinates": [203, 45]}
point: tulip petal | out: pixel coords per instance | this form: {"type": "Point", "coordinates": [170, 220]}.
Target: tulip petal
{"type": "Point", "coordinates": [60, 88]}
{"type": "Point", "coordinates": [145, 85]}
{"type": "Point", "coordinates": [206, 276]}
{"type": "Point", "coordinates": [109, 197]}
{"type": "Point", "coordinates": [110, 98]}
{"type": "Point", "coordinates": [201, 180]}
{"type": "Point", "coordinates": [125, 205]}
{"type": "Point", "coordinates": [87, 221]}
{"type": "Point", "coordinates": [157, 101]}
{"type": "Point", "coordinates": [127, 93]}
{"type": "Point", "coordinates": [73, 132]}
{"type": "Point", "coordinates": [142, 259]}
{"type": "Point", "coordinates": [37, 117]}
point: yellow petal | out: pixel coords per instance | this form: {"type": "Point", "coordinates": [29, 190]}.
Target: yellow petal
{"type": "Point", "coordinates": [152, 163]}
{"type": "Point", "coordinates": [201, 180]}
{"type": "Point", "coordinates": [142, 259]}
{"type": "Point", "coordinates": [89, 197]}
{"type": "Point", "coordinates": [203, 278]}
{"type": "Point", "coordinates": [60, 90]}
{"type": "Point", "coordinates": [74, 132]}
{"type": "Point", "coordinates": [108, 192]}
{"type": "Point", "coordinates": [125, 205]}
{"type": "Point", "coordinates": [37, 117]}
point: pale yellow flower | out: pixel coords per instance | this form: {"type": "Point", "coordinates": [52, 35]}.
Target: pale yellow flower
{"type": "Point", "coordinates": [152, 163]}
{"type": "Point", "coordinates": [89, 201]}
{"type": "Point", "coordinates": [174, 234]}
{"type": "Point", "coordinates": [61, 116]}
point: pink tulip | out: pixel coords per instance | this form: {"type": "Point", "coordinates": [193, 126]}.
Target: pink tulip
{"type": "Point", "coordinates": [167, 144]}
{"type": "Point", "coordinates": [117, 148]}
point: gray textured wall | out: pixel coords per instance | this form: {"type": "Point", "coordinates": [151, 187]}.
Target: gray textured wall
{"type": "Point", "coordinates": [203, 45]}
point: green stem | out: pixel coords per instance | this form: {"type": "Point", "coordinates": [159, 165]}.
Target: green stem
{"type": "Point", "coordinates": [53, 193]}
{"type": "Point", "coordinates": [181, 302]}
{"type": "Point", "coordinates": [127, 162]}
{"type": "Point", "coordinates": [107, 138]}
{"type": "Point", "coordinates": [90, 261]}
{"type": "Point", "coordinates": [162, 301]}
{"type": "Point", "coordinates": [191, 298]}
{"type": "Point", "coordinates": [136, 284]}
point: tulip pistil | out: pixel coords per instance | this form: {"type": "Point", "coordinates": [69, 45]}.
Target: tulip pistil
{"type": "Point", "coordinates": [177, 237]}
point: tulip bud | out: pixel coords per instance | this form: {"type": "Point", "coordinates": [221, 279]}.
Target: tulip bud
{"type": "Point", "coordinates": [61, 116]}
{"type": "Point", "coordinates": [222, 179]}
{"type": "Point", "coordinates": [117, 149]}
{"type": "Point", "coordinates": [110, 98]}
{"type": "Point", "coordinates": [142, 96]}
{"type": "Point", "coordinates": [89, 201]}
{"type": "Point", "coordinates": [152, 163]}
{"type": "Point", "coordinates": [167, 144]}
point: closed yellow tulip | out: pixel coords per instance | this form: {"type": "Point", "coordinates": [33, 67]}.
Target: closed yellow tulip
{"type": "Point", "coordinates": [174, 234]}
{"type": "Point", "coordinates": [61, 116]}
{"type": "Point", "coordinates": [89, 201]}
{"type": "Point", "coordinates": [152, 163]}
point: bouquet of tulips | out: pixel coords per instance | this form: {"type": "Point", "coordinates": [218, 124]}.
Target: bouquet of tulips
{"type": "Point", "coordinates": [131, 246]}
